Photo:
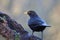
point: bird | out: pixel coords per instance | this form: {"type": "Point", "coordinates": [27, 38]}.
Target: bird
{"type": "Point", "coordinates": [36, 23]}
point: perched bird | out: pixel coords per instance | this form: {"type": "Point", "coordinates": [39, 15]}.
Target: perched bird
{"type": "Point", "coordinates": [36, 23]}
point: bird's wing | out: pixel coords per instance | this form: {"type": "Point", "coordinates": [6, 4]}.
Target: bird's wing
{"type": "Point", "coordinates": [37, 21]}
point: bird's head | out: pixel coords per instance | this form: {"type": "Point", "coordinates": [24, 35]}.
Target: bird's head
{"type": "Point", "coordinates": [31, 13]}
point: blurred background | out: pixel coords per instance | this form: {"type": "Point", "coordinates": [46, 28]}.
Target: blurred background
{"type": "Point", "coordinates": [49, 10]}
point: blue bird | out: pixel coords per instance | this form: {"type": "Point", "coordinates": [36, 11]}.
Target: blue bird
{"type": "Point", "coordinates": [36, 23]}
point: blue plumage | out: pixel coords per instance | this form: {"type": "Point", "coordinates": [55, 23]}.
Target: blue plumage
{"type": "Point", "coordinates": [35, 22]}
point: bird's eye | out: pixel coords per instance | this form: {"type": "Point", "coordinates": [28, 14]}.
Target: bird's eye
{"type": "Point", "coordinates": [29, 12]}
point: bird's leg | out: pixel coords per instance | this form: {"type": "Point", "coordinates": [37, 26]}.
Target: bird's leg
{"type": "Point", "coordinates": [42, 35]}
{"type": "Point", "coordinates": [32, 33]}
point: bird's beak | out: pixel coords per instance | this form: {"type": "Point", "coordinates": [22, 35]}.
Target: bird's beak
{"type": "Point", "coordinates": [25, 12]}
